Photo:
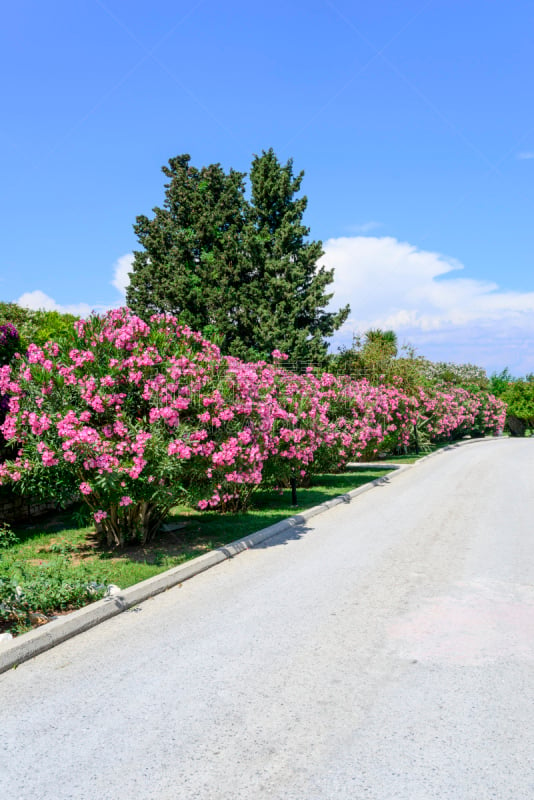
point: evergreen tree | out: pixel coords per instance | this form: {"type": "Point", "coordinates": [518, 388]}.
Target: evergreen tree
{"type": "Point", "coordinates": [290, 289]}
{"type": "Point", "coordinates": [192, 262]}
{"type": "Point", "coordinates": [241, 271]}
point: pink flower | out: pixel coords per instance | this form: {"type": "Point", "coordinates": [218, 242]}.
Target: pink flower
{"type": "Point", "coordinates": [85, 488]}
{"type": "Point", "coordinates": [179, 448]}
{"type": "Point", "coordinates": [125, 501]}
{"type": "Point", "coordinates": [100, 515]}
{"type": "Point", "coordinates": [48, 458]}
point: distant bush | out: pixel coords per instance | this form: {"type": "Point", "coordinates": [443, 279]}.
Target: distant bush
{"type": "Point", "coordinates": [499, 381]}
{"type": "Point", "coordinates": [463, 375]}
{"type": "Point", "coordinates": [519, 396]}
{"type": "Point", "coordinates": [374, 356]}
{"type": "Point", "coordinates": [35, 327]}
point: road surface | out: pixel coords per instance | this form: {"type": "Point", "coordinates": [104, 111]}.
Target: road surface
{"type": "Point", "coordinates": [385, 650]}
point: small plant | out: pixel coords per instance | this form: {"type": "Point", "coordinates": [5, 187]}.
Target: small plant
{"type": "Point", "coordinates": [62, 548]}
{"type": "Point", "coordinates": [45, 590]}
{"type": "Point", "coordinates": [8, 537]}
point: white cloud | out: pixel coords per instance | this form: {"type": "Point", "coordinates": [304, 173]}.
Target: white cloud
{"type": "Point", "coordinates": [38, 300]}
{"type": "Point", "coordinates": [419, 294]}
{"type": "Point", "coordinates": [525, 156]}
{"type": "Point", "coordinates": [121, 268]}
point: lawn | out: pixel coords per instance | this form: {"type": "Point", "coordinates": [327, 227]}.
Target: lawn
{"type": "Point", "coordinates": [54, 565]}
{"type": "Point", "coordinates": [425, 450]}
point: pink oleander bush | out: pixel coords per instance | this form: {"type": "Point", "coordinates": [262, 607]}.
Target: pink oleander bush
{"type": "Point", "coordinates": [9, 344]}
{"type": "Point", "coordinates": [119, 418]}
{"type": "Point", "coordinates": [136, 418]}
{"type": "Point", "coordinates": [452, 412]}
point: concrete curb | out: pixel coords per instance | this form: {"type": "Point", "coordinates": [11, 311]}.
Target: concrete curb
{"type": "Point", "coordinates": [39, 640]}
{"type": "Point", "coordinates": [462, 443]}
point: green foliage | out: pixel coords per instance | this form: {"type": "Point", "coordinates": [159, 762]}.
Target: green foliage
{"type": "Point", "coordinates": [378, 351]}
{"type": "Point", "coordinates": [16, 315]}
{"type": "Point", "coordinates": [290, 290]}
{"type": "Point", "coordinates": [36, 327]}
{"type": "Point", "coordinates": [51, 326]}
{"type": "Point", "coordinates": [8, 537]}
{"type": "Point", "coordinates": [52, 586]}
{"type": "Point", "coordinates": [192, 260]}
{"type": "Point", "coordinates": [374, 355]}
{"type": "Point", "coordinates": [499, 382]}
{"type": "Point", "coordinates": [519, 395]}
{"type": "Point", "coordinates": [241, 270]}
{"type": "Point", "coordinates": [384, 343]}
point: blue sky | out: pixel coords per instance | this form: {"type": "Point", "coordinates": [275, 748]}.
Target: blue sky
{"type": "Point", "coordinates": [413, 121]}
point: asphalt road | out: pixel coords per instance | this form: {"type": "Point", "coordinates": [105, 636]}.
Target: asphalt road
{"type": "Point", "coordinates": [383, 651]}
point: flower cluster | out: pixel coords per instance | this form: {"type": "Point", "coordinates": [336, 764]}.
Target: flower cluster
{"type": "Point", "coordinates": [9, 342]}
{"type": "Point", "coordinates": [451, 412]}
{"type": "Point", "coordinates": [8, 333]}
{"type": "Point", "coordinates": [136, 417]}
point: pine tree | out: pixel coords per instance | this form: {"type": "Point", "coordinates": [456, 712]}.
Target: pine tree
{"type": "Point", "coordinates": [192, 262]}
{"type": "Point", "coordinates": [241, 271]}
{"type": "Point", "coordinates": [290, 288]}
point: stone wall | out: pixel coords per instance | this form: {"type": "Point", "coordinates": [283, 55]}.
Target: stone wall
{"type": "Point", "coordinates": [22, 509]}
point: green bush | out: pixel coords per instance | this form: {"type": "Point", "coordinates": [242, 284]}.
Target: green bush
{"type": "Point", "coordinates": [519, 396]}
{"type": "Point", "coordinates": [36, 327]}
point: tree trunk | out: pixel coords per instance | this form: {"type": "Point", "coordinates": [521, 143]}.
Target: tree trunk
{"type": "Point", "coordinates": [138, 523]}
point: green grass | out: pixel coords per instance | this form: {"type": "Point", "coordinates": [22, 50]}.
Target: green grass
{"type": "Point", "coordinates": [427, 449]}
{"type": "Point", "coordinates": [54, 559]}
{"type": "Point", "coordinates": [411, 458]}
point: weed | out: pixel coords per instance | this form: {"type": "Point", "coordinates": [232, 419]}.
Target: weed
{"type": "Point", "coordinates": [8, 538]}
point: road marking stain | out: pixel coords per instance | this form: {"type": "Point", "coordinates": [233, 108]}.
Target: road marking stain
{"type": "Point", "coordinates": [477, 623]}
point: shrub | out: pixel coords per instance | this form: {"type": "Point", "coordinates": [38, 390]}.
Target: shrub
{"type": "Point", "coordinates": [452, 412]}
{"type": "Point", "coordinates": [9, 342]}
{"type": "Point", "coordinates": [519, 397]}
{"type": "Point", "coordinates": [101, 416]}
{"type": "Point", "coordinates": [36, 327]}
